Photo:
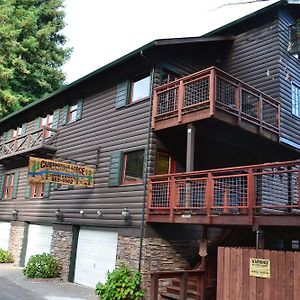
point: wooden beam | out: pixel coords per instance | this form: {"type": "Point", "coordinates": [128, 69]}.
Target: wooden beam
{"type": "Point", "coordinates": [190, 148]}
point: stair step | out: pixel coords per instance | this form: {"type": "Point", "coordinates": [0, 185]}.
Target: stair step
{"type": "Point", "coordinates": [170, 296]}
{"type": "Point", "coordinates": [176, 290]}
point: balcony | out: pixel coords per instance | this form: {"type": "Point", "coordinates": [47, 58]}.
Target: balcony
{"type": "Point", "coordinates": [39, 140]}
{"type": "Point", "coordinates": [266, 194]}
{"type": "Point", "coordinates": [212, 93]}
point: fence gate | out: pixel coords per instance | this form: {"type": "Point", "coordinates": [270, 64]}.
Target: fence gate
{"type": "Point", "coordinates": [275, 275]}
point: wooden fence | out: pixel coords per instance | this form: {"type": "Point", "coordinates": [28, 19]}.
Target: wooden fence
{"type": "Point", "coordinates": [235, 283]}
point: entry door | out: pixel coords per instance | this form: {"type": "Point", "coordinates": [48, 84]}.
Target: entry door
{"type": "Point", "coordinates": [38, 241]}
{"type": "Point", "coordinates": [96, 254]}
{"type": "Point", "coordinates": [4, 235]}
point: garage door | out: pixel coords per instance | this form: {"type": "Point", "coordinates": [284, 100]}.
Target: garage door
{"type": "Point", "coordinates": [38, 240]}
{"type": "Point", "coordinates": [4, 235]}
{"type": "Point", "coordinates": [96, 254]}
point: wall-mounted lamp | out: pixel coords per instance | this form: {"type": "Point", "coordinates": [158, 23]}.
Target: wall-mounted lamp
{"type": "Point", "coordinates": [126, 214]}
{"type": "Point", "coordinates": [99, 213]}
{"type": "Point", "coordinates": [15, 213]}
{"type": "Point", "coordinates": [81, 212]}
{"type": "Point", "coordinates": [59, 215]}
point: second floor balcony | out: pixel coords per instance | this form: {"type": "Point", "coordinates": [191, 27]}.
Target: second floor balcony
{"type": "Point", "coordinates": [212, 93]}
{"type": "Point", "coordinates": [39, 140]}
{"type": "Point", "coordinates": [266, 194]}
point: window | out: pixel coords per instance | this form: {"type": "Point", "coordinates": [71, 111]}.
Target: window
{"type": "Point", "coordinates": [16, 132]}
{"type": "Point", "coordinates": [165, 164]}
{"type": "Point", "coordinates": [140, 89]}
{"type": "Point", "coordinates": [8, 186]}
{"type": "Point", "coordinates": [47, 122]}
{"type": "Point", "coordinates": [36, 190]}
{"type": "Point", "coordinates": [72, 112]}
{"type": "Point", "coordinates": [167, 76]}
{"type": "Point", "coordinates": [294, 44]}
{"type": "Point", "coordinates": [295, 100]}
{"type": "Point", "coordinates": [133, 165]}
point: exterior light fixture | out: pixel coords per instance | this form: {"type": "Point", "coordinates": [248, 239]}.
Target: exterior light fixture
{"type": "Point", "coordinates": [99, 213]}
{"type": "Point", "coordinates": [15, 213]}
{"type": "Point", "coordinates": [59, 215]}
{"type": "Point", "coordinates": [126, 214]}
{"type": "Point", "coordinates": [81, 212]}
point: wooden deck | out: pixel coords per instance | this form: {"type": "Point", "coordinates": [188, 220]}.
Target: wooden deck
{"type": "Point", "coordinates": [266, 194]}
{"type": "Point", "coordinates": [42, 139]}
{"type": "Point", "coordinates": [212, 93]}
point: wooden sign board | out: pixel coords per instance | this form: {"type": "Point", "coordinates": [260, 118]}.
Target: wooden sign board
{"type": "Point", "coordinates": [41, 170]}
{"type": "Point", "coordinates": [260, 267]}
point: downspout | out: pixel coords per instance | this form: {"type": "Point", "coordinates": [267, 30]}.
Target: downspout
{"type": "Point", "coordinates": [146, 164]}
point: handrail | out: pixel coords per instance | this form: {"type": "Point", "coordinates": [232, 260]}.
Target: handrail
{"type": "Point", "coordinates": [270, 188]}
{"type": "Point", "coordinates": [213, 88]}
{"type": "Point", "coordinates": [31, 140]}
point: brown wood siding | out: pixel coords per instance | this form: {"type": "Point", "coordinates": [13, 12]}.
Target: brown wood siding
{"type": "Point", "coordinates": [289, 71]}
{"type": "Point", "coordinates": [110, 129]}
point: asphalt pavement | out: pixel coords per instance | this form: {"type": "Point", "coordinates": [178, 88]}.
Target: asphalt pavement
{"type": "Point", "coordinates": [15, 286]}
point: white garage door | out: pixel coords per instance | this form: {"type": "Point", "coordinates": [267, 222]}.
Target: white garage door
{"type": "Point", "coordinates": [4, 235]}
{"type": "Point", "coordinates": [38, 240]}
{"type": "Point", "coordinates": [96, 254]}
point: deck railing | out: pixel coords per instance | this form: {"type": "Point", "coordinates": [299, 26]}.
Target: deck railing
{"type": "Point", "coordinates": [267, 189]}
{"type": "Point", "coordinates": [212, 89]}
{"type": "Point", "coordinates": [40, 138]}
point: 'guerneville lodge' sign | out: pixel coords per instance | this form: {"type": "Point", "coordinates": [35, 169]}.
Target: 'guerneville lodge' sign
{"type": "Point", "coordinates": [41, 170]}
{"type": "Point", "coordinates": [260, 267]}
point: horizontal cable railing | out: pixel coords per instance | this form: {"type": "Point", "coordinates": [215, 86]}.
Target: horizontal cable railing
{"type": "Point", "coordinates": [264, 189]}
{"type": "Point", "coordinates": [210, 89]}
{"type": "Point", "coordinates": [28, 141]}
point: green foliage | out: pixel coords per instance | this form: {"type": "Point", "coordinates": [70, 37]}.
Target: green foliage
{"type": "Point", "coordinates": [121, 284]}
{"type": "Point", "coordinates": [41, 266]}
{"type": "Point", "coordinates": [32, 51]}
{"type": "Point", "coordinates": [5, 256]}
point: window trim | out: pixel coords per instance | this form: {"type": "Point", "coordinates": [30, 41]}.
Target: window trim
{"type": "Point", "coordinates": [49, 123]}
{"type": "Point", "coordinates": [123, 170]}
{"type": "Point", "coordinates": [36, 191]}
{"type": "Point", "coordinates": [71, 112]}
{"type": "Point", "coordinates": [295, 106]}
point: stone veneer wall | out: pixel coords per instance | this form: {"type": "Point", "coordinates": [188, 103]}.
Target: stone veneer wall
{"type": "Point", "coordinates": [61, 247]}
{"type": "Point", "coordinates": [158, 255]}
{"type": "Point", "coordinates": [17, 241]}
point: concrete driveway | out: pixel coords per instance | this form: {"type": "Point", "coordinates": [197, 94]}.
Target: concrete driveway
{"type": "Point", "coordinates": [15, 286]}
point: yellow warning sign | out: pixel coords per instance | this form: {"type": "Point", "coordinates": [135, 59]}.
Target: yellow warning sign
{"type": "Point", "coordinates": [260, 267]}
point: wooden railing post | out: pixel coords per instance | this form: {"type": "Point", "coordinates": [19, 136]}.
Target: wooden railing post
{"type": "Point", "coordinates": [180, 100]}
{"type": "Point", "coordinates": [212, 91]}
{"type": "Point", "coordinates": [238, 103]}
{"type": "Point", "coordinates": [251, 195]}
{"type": "Point", "coordinates": [154, 108]}
{"type": "Point", "coordinates": [209, 195]}
{"type": "Point", "coordinates": [172, 195]}
{"type": "Point", "coordinates": [183, 286]}
{"type": "Point", "coordinates": [260, 113]}
{"type": "Point", "coordinates": [154, 287]}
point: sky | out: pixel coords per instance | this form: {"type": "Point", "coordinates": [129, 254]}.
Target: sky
{"type": "Point", "coordinates": [100, 31]}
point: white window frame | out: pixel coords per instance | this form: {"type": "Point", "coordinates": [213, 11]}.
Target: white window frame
{"type": "Point", "coordinates": [295, 91]}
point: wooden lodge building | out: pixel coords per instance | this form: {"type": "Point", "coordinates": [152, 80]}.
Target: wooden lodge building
{"type": "Point", "coordinates": [193, 141]}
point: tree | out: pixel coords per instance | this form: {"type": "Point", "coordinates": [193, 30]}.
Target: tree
{"type": "Point", "coordinates": [31, 51]}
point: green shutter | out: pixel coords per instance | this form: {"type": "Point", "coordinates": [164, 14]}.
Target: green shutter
{"type": "Point", "coordinates": [37, 123]}
{"type": "Point", "coordinates": [15, 185]}
{"type": "Point", "coordinates": [122, 93]}
{"type": "Point", "coordinates": [24, 127]}
{"type": "Point", "coordinates": [2, 185]}
{"type": "Point", "coordinates": [115, 169]}
{"type": "Point", "coordinates": [65, 115]}
{"type": "Point", "coordinates": [46, 190]}
{"type": "Point", "coordinates": [79, 109]}
{"type": "Point", "coordinates": [28, 190]}
{"type": "Point", "coordinates": [4, 137]}
{"type": "Point", "coordinates": [55, 119]}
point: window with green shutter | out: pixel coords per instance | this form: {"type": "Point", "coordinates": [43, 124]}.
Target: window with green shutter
{"type": "Point", "coordinates": [9, 185]}
{"type": "Point", "coordinates": [72, 112]}
{"type": "Point", "coordinates": [39, 190]}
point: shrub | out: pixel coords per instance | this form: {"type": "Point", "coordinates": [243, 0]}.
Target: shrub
{"type": "Point", "coordinates": [41, 266]}
{"type": "Point", "coordinates": [120, 284]}
{"type": "Point", "coordinates": [5, 256]}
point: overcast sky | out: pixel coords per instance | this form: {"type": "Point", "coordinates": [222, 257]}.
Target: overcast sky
{"type": "Point", "coordinates": [101, 31]}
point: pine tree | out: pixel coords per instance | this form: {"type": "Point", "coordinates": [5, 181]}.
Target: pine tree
{"type": "Point", "coordinates": [31, 51]}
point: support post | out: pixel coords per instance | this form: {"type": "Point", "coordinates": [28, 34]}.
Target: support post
{"type": "Point", "coordinates": [190, 148]}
